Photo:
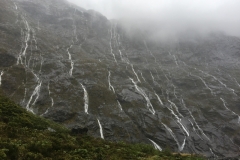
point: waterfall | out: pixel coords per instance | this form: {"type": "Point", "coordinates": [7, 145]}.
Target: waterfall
{"type": "Point", "coordinates": [100, 127]}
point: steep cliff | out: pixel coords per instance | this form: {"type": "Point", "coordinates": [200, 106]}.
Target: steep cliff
{"type": "Point", "coordinates": [78, 68]}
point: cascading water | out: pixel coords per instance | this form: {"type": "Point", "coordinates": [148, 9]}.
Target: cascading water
{"type": "Point", "coordinates": [156, 146]}
{"type": "Point", "coordinates": [149, 104]}
{"type": "Point", "coordinates": [100, 128]}
{"type": "Point", "coordinates": [86, 100]}
{"type": "Point", "coordinates": [1, 77]}
{"type": "Point", "coordinates": [109, 82]}
{"type": "Point", "coordinates": [135, 73]}
{"type": "Point", "coordinates": [224, 103]}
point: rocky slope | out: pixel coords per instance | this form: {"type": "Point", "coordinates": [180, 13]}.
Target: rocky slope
{"type": "Point", "coordinates": [27, 136]}
{"type": "Point", "coordinates": [78, 68]}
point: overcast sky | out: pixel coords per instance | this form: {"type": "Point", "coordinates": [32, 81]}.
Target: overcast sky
{"type": "Point", "coordinates": [174, 15]}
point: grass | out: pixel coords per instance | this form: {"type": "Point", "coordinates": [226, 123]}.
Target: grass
{"type": "Point", "coordinates": [24, 136]}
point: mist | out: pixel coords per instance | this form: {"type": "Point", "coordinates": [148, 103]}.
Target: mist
{"type": "Point", "coordinates": [171, 17]}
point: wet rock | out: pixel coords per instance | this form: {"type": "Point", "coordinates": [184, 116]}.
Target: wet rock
{"type": "Point", "coordinates": [79, 130]}
{"type": "Point", "coordinates": [128, 95]}
{"type": "Point", "coordinates": [59, 114]}
{"type": "Point", "coordinates": [6, 60]}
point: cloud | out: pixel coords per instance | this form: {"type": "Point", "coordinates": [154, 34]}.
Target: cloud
{"type": "Point", "coordinates": [172, 15]}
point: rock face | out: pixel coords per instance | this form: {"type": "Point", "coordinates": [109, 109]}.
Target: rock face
{"type": "Point", "coordinates": [78, 130]}
{"type": "Point", "coordinates": [76, 67]}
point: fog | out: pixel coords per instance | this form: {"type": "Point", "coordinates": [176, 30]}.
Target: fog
{"type": "Point", "coordinates": [171, 17]}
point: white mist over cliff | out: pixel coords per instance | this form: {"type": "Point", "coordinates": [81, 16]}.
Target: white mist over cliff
{"type": "Point", "coordinates": [172, 16]}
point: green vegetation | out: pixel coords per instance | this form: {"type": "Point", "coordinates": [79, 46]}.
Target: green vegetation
{"type": "Point", "coordinates": [24, 136]}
